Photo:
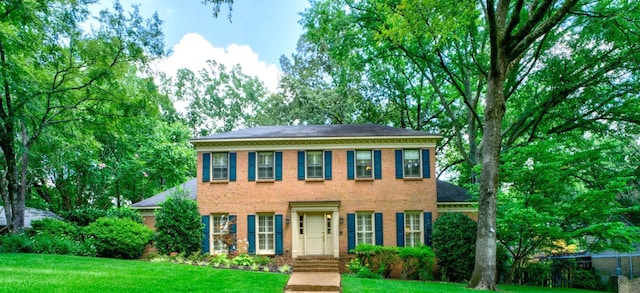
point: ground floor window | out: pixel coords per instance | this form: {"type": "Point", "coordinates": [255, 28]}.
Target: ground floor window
{"type": "Point", "coordinates": [364, 228]}
{"type": "Point", "coordinates": [413, 229]}
{"type": "Point", "coordinates": [266, 234]}
{"type": "Point", "coordinates": [220, 237]}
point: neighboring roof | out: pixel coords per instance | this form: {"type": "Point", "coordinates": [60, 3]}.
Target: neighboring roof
{"type": "Point", "coordinates": [448, 192]}
{"type": "Point", "coordinates": [311, 131]}
{"type": "Point", "coordinates": [155, 201]}
{"type": "Point", "coordinates": [30, 214]}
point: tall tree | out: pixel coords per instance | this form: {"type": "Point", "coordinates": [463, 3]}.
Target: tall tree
{"type": "Point", "coordinates": [53, 71]}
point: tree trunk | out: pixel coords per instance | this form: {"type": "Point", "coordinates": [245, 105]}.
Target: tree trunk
{"type": "Point", "coordinates": [485, 270]}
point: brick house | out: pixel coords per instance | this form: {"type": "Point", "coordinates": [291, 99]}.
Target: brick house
{"type": "Point", "coordinates": [316, 190]}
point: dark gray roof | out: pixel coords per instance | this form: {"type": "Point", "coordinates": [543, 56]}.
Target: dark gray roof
{"type": "Point", "coordinates": [30, 214]}
{"type": "Point", "coordinates": [308, 131]}
{"type": "Point", "coordinates": [448, 192]}
{"type": "Point", "coordinates": [156, 200]}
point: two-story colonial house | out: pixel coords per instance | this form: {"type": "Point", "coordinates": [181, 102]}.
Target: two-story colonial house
{"type": "Point", "coordinates": [317, 189]}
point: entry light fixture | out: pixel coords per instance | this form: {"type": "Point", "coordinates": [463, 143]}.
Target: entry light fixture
{"type": "Point", "coordinates": [288, 219]}
{"type": "Point", "coordinates": [341, 220]}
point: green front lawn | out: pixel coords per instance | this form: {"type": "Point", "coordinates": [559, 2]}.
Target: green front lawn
{"type": "Point", "coordinates": [353, 284]}
{"type": "Point", "coordinates": [58, 273]}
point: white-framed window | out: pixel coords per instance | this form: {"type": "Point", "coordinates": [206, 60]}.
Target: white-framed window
{"type": "Point", "coordinates": [364, 164]}
{"type": "Point", "coordinates": [411, 163]}
{"type": "Point", "coordinates": [220, 166]}
{"type": "Point", "coordinates": [412, 228]}
{"type": "Point", "coordinates": [220, 228]}
{"type": "Point", "coordinates": [266, 234]}
{"type": "Point", "coordinates": [315, 164]}
{"type": "Point", "coordinates": [266, 165]}
{"type": "Point", "coordinates": [364, 228]}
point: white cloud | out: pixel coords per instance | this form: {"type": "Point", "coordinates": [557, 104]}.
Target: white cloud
{"type": "Point", "coordinates": [193, 51]}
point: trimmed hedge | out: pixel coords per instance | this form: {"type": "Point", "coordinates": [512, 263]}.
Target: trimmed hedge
{"type": "Point", "coordinates": [119, 238]}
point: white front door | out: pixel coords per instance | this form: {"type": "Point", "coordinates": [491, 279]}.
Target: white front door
{"type": "Point", "coordinates": [315, 236]}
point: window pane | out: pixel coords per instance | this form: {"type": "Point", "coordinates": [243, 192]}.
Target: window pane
{"type": "Point", "coordinates": [413, 229]}
{"type": "Point", "coordinates": [265, 165]}
{"type": "Point", "coordinates": [219, 233]}
{"type": "Point", "coordinates": [219, 166]}
{"type": "Point", "coordinates": [411, 163]}
{"type": "Point", "coordinates": [265, 233]}
{"type": "Point", "coordinates": [314, 164]}
{"type": "Point", "coordinates": [364, 228]}
{"type": "Point", "coordinates": [364, 165]}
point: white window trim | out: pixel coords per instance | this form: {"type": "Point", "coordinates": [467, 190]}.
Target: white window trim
{"type": "Point", "coordinates": [258, 233]}
{"type": "Point", "coordinates": [419, 164]}
{"type": "Point", "coordinates": [273, 166]}
{"type": "Point", "coordinates": [211, 167]}
{"type": "Point", "coordinates": [373, 228]}
{"type": "Point", "coordinates": [355, 165]}
{"type": "Point", "coordinates": [420, 228]}
{"type": "Point", "coordinates": [306, 166]}
{"type": "Point", "coordinates": [222, 233]}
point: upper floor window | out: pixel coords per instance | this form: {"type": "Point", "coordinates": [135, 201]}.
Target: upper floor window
{"type": "Point", "coordinates": [413, 229]}
{"type": "Point", "coordinates": [314, 164]}
{"type": "Point", "coordinates": [265, 165]}
{"type": "Point", "coordinates": [411, 163]}
{"type": "Point", "coordinates": [364, 164]}
{"type": "Point", "coordinates": [220, 166]}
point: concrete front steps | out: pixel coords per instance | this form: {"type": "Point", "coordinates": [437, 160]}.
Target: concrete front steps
{"type": "Point", "coordinates": [314, 274]}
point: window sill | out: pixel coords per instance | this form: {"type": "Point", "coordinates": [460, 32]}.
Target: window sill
{"type": "Point", "coordinates": [412, 178]}
{"type": "Point", "coordinates": [219, 182]}
{"type": "Point", "coordinates": [265, 181]}
{"type": "Point", "coordinates": [365, 179]}
{"type": "Point", "coordinates": [314, 180]}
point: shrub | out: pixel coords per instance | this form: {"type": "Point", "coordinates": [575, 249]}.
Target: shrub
{"type": "Point", "coordinates": [262, 260]}
{"type": "Point", "coordinates": [178, 225]}
{"type": "Point", "coordinates": [533, 274]}
{"type": "Point", "coordinates": [454, 238]}
{"type": "Point", "coordinates": [124, 213]}
{"type": "Point", "coordinates": [119, 238]}
{"type": "Point", "coordinates": [417, 262]}
{"type": "Point", "coordinates": [53, 227]}
{"type": "Point", "coordinates": [83, 216]}
{"type": "Point", "coordinates": [379, 259]}
{"type": "Point", "coordinates": [586, 279]}
{"type": "Point", "coordinates": [15, 243]}
{"type": "Point", "coordinates": [54, 244]}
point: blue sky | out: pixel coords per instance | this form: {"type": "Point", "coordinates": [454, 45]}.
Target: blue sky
{"type": "Point", "coordinates": [260, 32]}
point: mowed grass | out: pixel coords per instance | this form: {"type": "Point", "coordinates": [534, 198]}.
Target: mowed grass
{"type": "Point", "coordinates": [353, 284]}
{"type": "Point", "coordinates": [57, 273]}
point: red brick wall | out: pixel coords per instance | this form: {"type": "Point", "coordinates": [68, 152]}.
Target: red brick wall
{"type": "Point", "coordinates": [387, 195]}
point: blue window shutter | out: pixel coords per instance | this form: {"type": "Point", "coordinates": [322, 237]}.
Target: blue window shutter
{"type": "Point", "coordinates": [278, 166]}
{"type": "Point", "coordinates": [350, 165]}
{"type": "Point", "coordinates": [206, 167]}
{"type": "Point", "coordinates": [351, 232]}
{"type": "Point", "coordinates": [279, 238]}
{"type": "Point", "coordinates": [327, 165]}
{"type": "Point", "coordinates": [205, 234]}
{"type": "Point", "coordinates": [252, 166]}
{"type": "Point", "coordinates": [233, 231]}
{"type": "Point", "coordinates": [427, 228]}
{"type": "Point", "coordinates": [399, 167]}
{"type": "Point", "coordinates": [400, 229]}
{"type": "Point", "coordinates": [426, 166]}
{"type": "Point", "coordinates": [301, 172]}
{"type": "Point", "coordinates": [251, 233]}
{"type": "Point", "coordinates": [232, 166]}
{"type": "Point", "coordinates": [379, 233]}
{"type": "Point", "coordinates": [377, 164]}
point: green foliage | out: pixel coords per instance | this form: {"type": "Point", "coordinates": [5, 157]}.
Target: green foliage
{"type": "Point", "coordinates": [373, 261]}
{"type": "Point", "coordinates": [533, 274]}
{"type": "Point", "coordinates": [56, 244]}
{"type": "Point", "coordinates": [83, 216]}
{"type": "Point", "coordinates": [454, 238]}
{"type": "Point", "coordinates": [263, 260]}
{"type": "Point", "coordinates": [378, 259]}
{"type": "Point", "coordinates": [54, 227]}
{"type": "Point", "coordinates": [243, 260]}
{"type": "Point", "coordinates": [15, 242]}
{"type": "Point", "coordinates": [178, 225]}
{"type": "Point", "coordinates": [417, 263]}
{"type": "Point", "coordinates": [119, 238]}
{"type": "Point", "coordinates": [124, 213]}
{"type": "Point", "coordinates": [586, 279]}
